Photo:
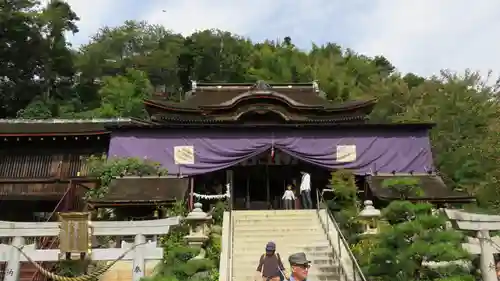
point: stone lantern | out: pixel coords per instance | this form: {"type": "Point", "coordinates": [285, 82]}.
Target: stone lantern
{"type": "Point", "coordinates": [198, 226]}
{"type": "Point", "coordinates": [370, 217]}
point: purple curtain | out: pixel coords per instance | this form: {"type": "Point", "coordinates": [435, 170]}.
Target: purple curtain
{"type": "Point", "coordinates": [375, 151]}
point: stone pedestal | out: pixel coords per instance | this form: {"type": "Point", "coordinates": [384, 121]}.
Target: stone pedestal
{"type": "Point", "coordinates": [198, 226]}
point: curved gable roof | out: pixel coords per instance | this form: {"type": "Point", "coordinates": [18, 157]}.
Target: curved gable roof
{"type": "Point", "coordinates": [211, 97]}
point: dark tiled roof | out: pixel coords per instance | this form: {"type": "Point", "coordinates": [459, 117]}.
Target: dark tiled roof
{"type": "Point", "coordinates": [145, 190]}
{"type": "Point", "coordinates": [432, 188]}
{"type": "Point", "coordinates": [339, 119]}
{"type": "Point", "coordinates": [224, 125]}
{"type": "Point", "coordinates": [218, 98]}
{"type": "Point", "coordinates": [302, 95]}
{"type": "Point", "coordinates": [20, 127]}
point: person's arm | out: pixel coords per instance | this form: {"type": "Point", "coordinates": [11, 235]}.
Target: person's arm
{"type": "Point", "coordinates": [282, 267]}
{"type": "Point", "coordinates": [284, 194]}
{"type": "Point", "coordinates": [307, 181]}
{"type": "Point", "coordinates": [261, 264]}
{"type": "Point", "coordinates": [279, 262]}
{"type": "Point", "coordinates": [301, 186]}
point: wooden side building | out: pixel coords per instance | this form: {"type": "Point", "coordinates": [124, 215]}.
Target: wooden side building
{"type": "Point", "coordinates": [42, 165]}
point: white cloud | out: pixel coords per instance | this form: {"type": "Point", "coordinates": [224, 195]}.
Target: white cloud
{"type": "Point", "coordinates": [93, 14]}
{"type": "Point", "coordinates": [419, 36]}
{"type": "Point", "coordinates": [188, 16]}
{"type": "Point", "coordinates": [425, 36]}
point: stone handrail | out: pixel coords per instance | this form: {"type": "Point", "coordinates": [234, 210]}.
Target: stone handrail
{"type": "Point", "coordinates": [225, 249]}
{"type": "Point", "coordinates": [483, 244]}
{"type": "Point", "coordinates": [101, 228]}
{"type": "Point", "coordinates": [144, 251]}
{"type": "Point", "coordinates": [351, 270]}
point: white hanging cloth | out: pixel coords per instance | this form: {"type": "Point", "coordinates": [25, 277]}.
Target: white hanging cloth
{"type": "Point", "coordinates": [214, 196]}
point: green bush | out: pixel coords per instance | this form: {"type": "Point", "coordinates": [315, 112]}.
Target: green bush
{"type": "Point", "coordinates": [178, 262]}
{"type": "Point", "coordinates": [107, 169]}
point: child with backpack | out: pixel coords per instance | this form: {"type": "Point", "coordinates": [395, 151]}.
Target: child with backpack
{"type": "Point", "coordinates": [270, 267]}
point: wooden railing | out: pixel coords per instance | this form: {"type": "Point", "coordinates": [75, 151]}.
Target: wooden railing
{"type": "Point", "coordinates": [29, 166]}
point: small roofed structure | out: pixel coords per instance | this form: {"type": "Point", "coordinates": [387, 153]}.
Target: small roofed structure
{"type": "Point", "coordinates": [431, 188]}
{"type": "Point", "coordinates": [132, 194]}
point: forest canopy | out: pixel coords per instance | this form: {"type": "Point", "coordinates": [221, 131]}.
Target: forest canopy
{"type": "Point", "coordinates": [43, 76]}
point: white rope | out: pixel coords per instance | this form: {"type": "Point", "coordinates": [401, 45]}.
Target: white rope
{"type": "Point", "coordinates": [215, 196]}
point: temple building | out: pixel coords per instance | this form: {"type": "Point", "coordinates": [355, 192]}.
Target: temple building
{"type": "Point", "coordinates": [246, 142]}
{"type": "Point", "coordinates": [255, 137]}
{"type": "Point", "coordinates": [259, 137]}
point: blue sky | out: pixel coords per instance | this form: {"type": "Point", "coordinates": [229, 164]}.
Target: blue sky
{"type": "Point", "coordinates": [422, 36]}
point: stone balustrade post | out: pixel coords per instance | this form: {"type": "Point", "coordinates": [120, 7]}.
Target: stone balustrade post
{"type": "Point", "coordinates": [12, 272]}
{"type": "Point", "coordinates": [487, 261]}
{"type": "Point", "coordinates": [139, 267]}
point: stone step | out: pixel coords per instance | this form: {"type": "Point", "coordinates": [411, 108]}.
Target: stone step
{"type": "Point", "coordinates": [315, 268]}
{"type": "Point", "coordinates": [243, 229]}
{"type": "Point", "coordinates": [319, 246]}
{"type": "Point", "coordinates": [310, 245]}
{"type": "Point", "coordinates": [279, 232]}
{"type": "Point", "coordinates": [251, 259]}
{"type": "Point", "coordinates": [283, 215]}
{"type": "Point", "coordinates": [316, 277]}
{"type": "Point", "coordinates": [263, 240]}
{"type": "Point", "coordinates": [272, 218]}
{"type": "Point", "coordinates": [293, 221]}
{"type": "Point", "coordinates": [324, 261]}
{"type": "Point", "coordinates": [326, 277]}
{"type": "Point", "coordinates": [249, 213]}
{"type": "Point", "coordinates": [279, 221]}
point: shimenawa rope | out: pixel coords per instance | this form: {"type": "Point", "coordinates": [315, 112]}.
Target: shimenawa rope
{"type": "Point", "coordinates": [85, 277]}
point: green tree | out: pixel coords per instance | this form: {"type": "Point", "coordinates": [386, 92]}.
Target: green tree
{"type": "Point", "coordinates": [462, 108]}
{"type": "Point", "coordinates": [36, 60]}
{"type": "Point", "coordinates": [21, 62]}
{"type": "Point", "coordinates": [138, 45]}
{"type": "Point", "coordinates": [123, 96]}
{"type": "Point", "coordinates": [413, 239]}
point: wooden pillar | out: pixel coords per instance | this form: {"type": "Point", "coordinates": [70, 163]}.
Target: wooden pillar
{"type": "Point", "coordinates": [229, 180]}
{"type": "Point", "coordinates": [68, 203]}
{"type": "Point", "coordinates": [191, 192]}
{"type": "Point", "coordinates": [268, 189]}
{"type": "Point", "coordinates": [247, 197]}
{"type": "Point", "coordinates": [282, 203]}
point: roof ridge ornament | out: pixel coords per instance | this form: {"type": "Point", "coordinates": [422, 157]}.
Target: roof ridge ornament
{"type": "Point", "coordinates": [193, 86]}
{"type": "Point", "coordinates": [262, 86]}
{"type": "Point", "coordinates": [315, 85]}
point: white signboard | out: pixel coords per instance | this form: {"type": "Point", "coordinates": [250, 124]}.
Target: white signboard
{"type": "Point", "coordinates": [184, 155]}
{"type": "Point", "coordinates": [346, 153]}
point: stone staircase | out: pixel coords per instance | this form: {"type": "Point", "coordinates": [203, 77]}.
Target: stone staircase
{"type": "Point", "coordinates": [292, 231]}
